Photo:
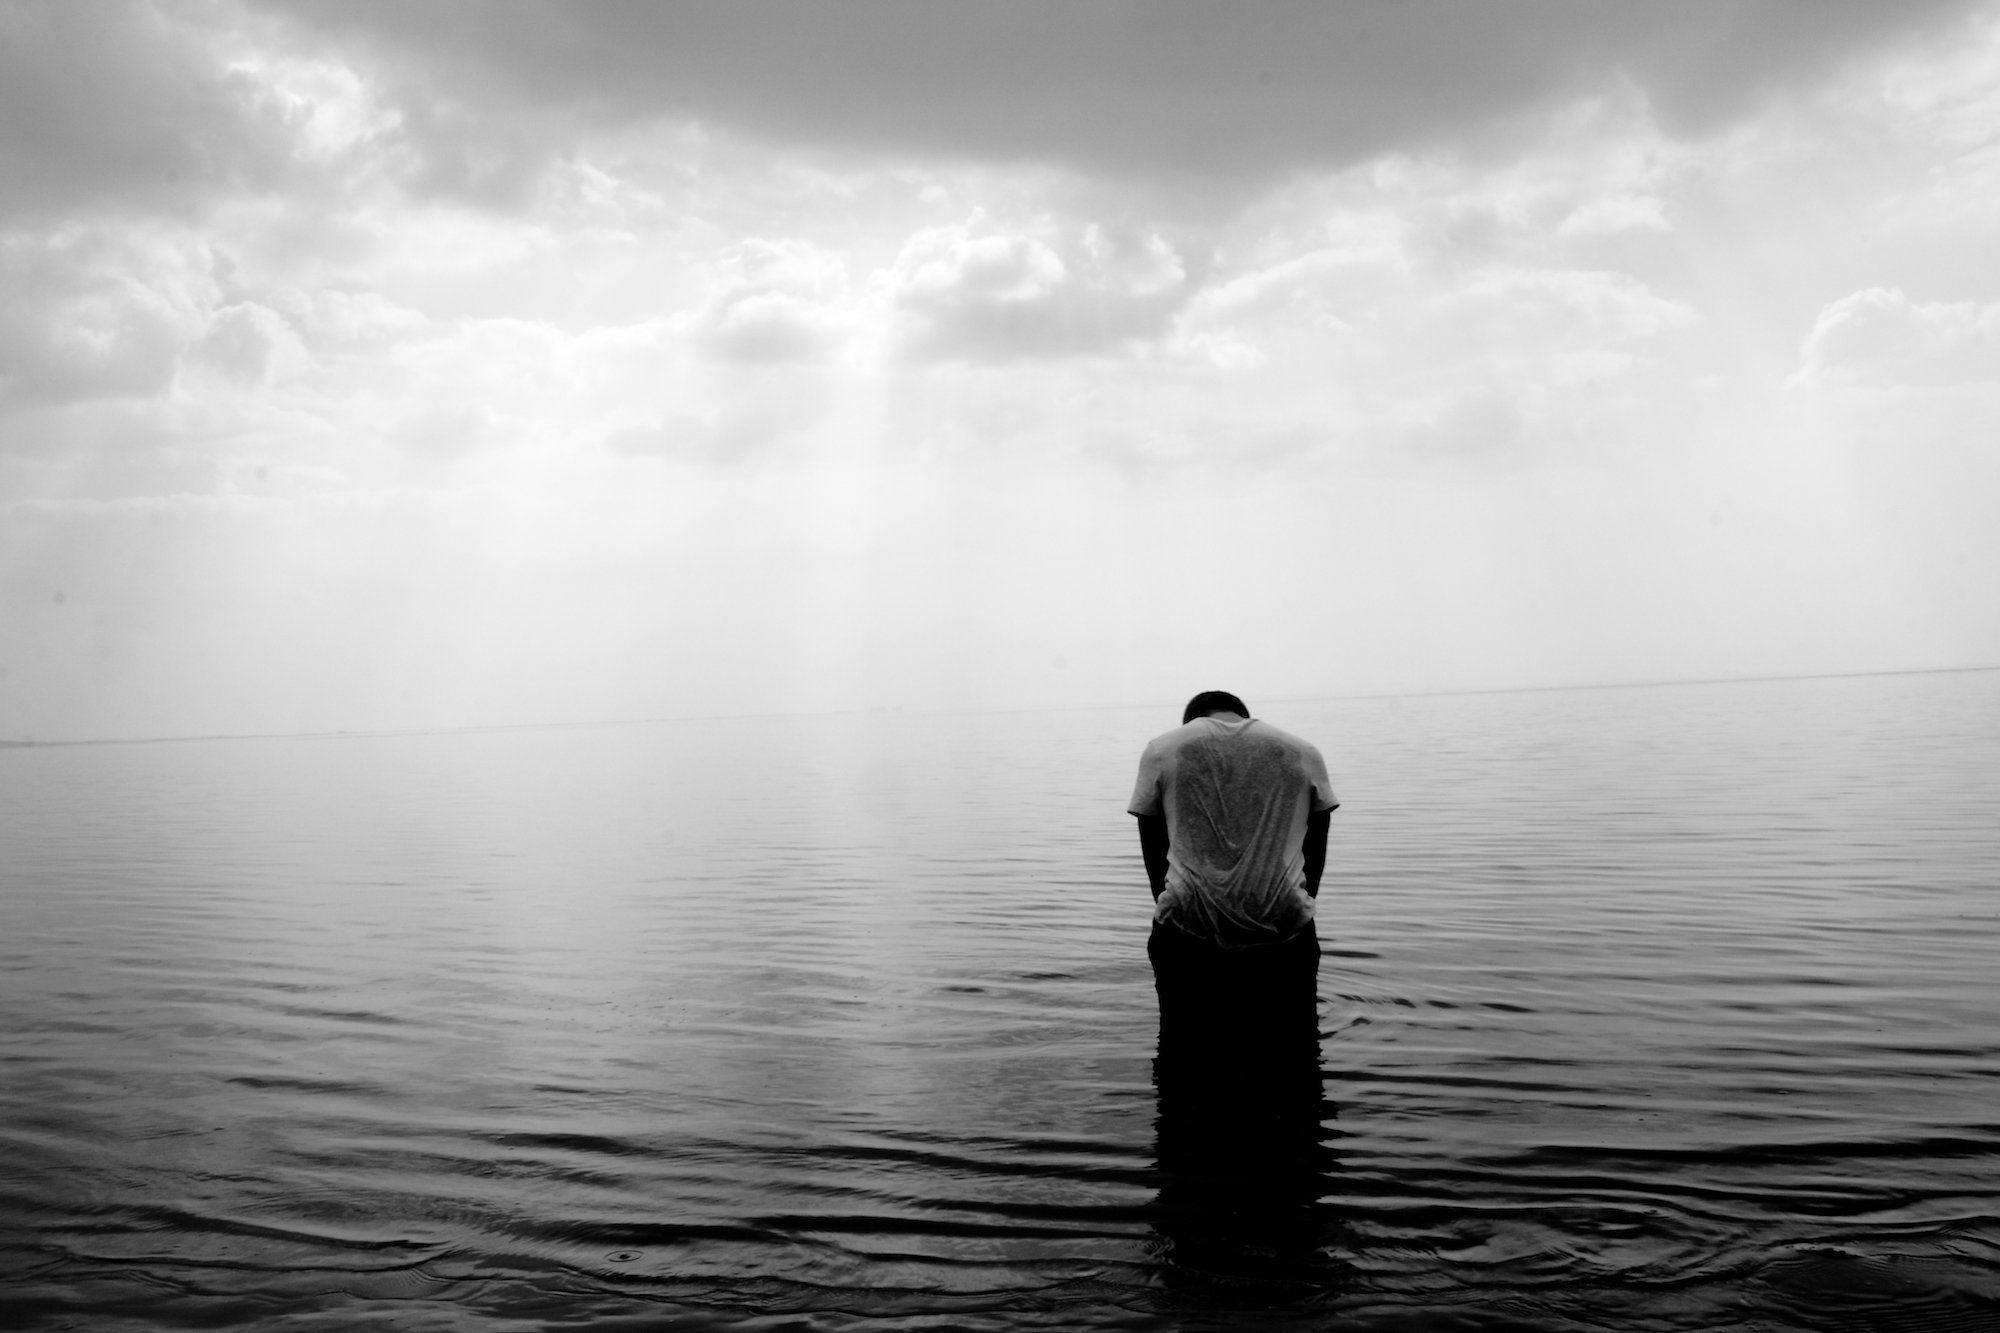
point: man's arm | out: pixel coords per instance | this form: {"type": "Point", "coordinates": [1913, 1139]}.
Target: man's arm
{"type": "Point", "coordinates": [1315, 850]}
{"type": "Point", "coordinates": [1153, 846]}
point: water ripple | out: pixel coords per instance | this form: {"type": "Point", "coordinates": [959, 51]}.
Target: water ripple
{"type": "Point", "coordinates": [1663, 1009]}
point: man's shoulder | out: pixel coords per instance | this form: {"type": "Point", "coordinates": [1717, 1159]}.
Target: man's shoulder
{"type": "Point", "coordinates": [1297, 751]}
{"type": "Point", "coordinates": [1179, 736]}
{"type": "Point", "coordinates": [1279, 738]}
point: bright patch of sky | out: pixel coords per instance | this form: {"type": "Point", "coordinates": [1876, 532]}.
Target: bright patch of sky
{"type": "Point", "coordinates": [379, 366]}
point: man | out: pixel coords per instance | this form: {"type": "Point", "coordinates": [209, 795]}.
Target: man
{"type": "Point", "coordinates": [1233, 817]}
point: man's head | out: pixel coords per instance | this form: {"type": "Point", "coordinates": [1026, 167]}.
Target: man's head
{"type": "Point", "coordinates": [1214, 701]}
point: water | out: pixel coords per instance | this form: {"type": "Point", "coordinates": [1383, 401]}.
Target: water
{"type": "Point", "coordinates": [1666, 1008]}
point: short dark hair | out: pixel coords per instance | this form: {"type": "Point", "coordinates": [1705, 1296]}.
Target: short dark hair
{"type": "Point", "coordinates": [1214, 701]}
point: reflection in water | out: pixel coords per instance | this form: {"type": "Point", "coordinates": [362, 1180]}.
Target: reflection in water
{"type": "Point", "coordinates": [1244, 1147]}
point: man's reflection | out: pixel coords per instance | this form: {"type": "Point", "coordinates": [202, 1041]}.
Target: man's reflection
{"type": "Point", "coordinates": [1243, 1154]}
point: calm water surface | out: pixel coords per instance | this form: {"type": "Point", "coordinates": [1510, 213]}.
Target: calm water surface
{"type": "Point", "coordinates": [1671, 1008]}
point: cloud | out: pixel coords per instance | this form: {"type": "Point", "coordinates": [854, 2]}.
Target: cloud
{"type": "Point", "coordinates": [1612, 214]}
{"type": "Point", "coordinates": [1376, 318]}
{"type": "Point", "coordinates": [775, 302]}
{"type": "Point", "coordinates": [122, 105]}
{"type": "Point", "coordinates": [1878, 337]}
{"type": "Point", "coordinates": [1183, 89]}
{"type": "Point", "coordinates": [715, 435]}
{"type": "Point", "coordinates": [977, 291]}
{"type": "Point", "coordinates": [89, 314]}
{"type": "Point", "coordinates": [1473, 422]}
{"type": "Point", "coordinates": [1578, 311]}
{"type": "Point", "coordinates": [245, 342]}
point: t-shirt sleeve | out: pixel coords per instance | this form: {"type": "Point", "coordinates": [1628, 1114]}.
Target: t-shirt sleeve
{"type": "Point", "coordinates": [1146, 798]}
{"type": "Point", "coordinates": [1323, 797]}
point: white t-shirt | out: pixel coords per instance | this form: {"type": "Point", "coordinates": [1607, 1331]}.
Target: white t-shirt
{"type": "Point", "coordinates": [1236, 794]}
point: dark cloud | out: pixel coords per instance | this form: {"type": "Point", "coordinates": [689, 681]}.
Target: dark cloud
{"type": "Point", "coordinates": [1189, 88]}
{"type": "Point", "coordinates": [131, 104]}
{"type": "Point", "coordinates": [113, 104]}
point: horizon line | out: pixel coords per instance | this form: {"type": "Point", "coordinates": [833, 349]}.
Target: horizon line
{"type": "Point", "coordinates": [472, 727]}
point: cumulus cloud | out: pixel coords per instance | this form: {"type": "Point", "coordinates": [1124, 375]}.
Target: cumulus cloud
{"type": "Point", "coordinates": [978, 291]}
{"type": "Point", "coordinates": [1521, 354]}
{"type": "Point", "coordinates": [1150, 87]}
{"type": "Point", "coordinates": [775, 302]}
{"type": "Point", "coordinates": [1555, 325]}
{"type": "Point", "coordinates": [87, 314]}
{"type": "Point", "coordinates": [1576, 310]}
{"type": "Point", "coordinates": [1879, 337]}
{"type": "Point", "coordinates": [245, 343]}
{"type": "Point", "coordinates": [1372, 350]}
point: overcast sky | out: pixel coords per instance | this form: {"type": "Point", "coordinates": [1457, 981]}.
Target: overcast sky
{"type": "Point", "coordinates": [377, 365]}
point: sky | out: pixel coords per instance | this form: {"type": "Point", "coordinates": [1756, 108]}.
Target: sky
{"type": "Point", "coordinates": [372, 366]}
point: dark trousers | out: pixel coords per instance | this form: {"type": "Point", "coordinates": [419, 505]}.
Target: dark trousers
{"type": "Point", "coordinates": [1263, 996]}
{"type": "Point", "coordinates": [1245, 1151]}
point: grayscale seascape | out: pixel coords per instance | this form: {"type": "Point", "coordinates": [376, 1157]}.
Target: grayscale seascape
{"type": "Point", "coordinates": [1663, 1008]}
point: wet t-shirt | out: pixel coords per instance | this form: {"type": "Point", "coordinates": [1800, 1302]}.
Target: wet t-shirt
{"type": "Point", "coordinates": [1236, 795]}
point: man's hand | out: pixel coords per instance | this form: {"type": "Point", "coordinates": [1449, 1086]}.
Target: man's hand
{"type": "Point", "coordinates": [1153, 846]}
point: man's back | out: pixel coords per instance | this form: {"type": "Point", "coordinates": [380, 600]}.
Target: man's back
{"type": "Point", "coordinates": [1235, 796]}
